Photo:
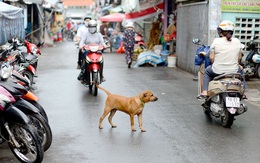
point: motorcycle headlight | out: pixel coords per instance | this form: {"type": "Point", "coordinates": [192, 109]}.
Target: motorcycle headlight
{"type": "Point", "coordinates": [93, 48]}
{"type": "Point", "coordinates": [6, 71]}
{"type": "Point", "coordinates": [88, 60]}
{"type": "Point", "coordinates": [3, 100]}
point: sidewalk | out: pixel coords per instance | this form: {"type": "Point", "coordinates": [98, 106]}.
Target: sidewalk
{"type": "Point", "coordinates": [253, 91]}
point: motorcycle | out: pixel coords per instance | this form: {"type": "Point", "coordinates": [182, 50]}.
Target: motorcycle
{"type": "Point", "coordinates": [17, 56]}
{"type": "Point", "coordinates": [108, 43]}
{"type": "Point", "coordinates": [251, 65]}
{"type": "Point", "coordinates": [11, 58]}
{"type": "Point", "coordinates": [93, 67]}
{"type": "Point", "coordinates": [140, 41]}
{"type": "Point", "coordinates": [15, 128]}
{"type": "Point", "coordinates": [32, 53]}
{"type": "Point", "coordinates": [225, 94]}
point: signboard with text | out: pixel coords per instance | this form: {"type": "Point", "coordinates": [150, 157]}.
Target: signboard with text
{"type": "Point", "coordinates": [247, 6]}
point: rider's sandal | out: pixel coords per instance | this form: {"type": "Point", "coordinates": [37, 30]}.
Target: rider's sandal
{"type": "Point", "coordinates": [202, 97]}
{"type": "Point", "coordinates": [244, 97]}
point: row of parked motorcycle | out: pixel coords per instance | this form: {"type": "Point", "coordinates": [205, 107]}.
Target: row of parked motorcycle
{"type": "Point", "coordinates": [23, 121]}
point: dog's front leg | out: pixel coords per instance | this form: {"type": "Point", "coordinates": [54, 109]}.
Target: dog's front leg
{"type": "Point", "coordinates": [140, 120]}
{"type": "Point", "coordinates": [132, 122]}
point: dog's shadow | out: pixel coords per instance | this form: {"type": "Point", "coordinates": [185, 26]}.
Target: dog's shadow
{"type": "Point", "coordinates": [134, 137]}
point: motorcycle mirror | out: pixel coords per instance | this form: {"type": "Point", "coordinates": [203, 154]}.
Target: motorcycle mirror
{"type": "Point", "coordinates": [196, 40]}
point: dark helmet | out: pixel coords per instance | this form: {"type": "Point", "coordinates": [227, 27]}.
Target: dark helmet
{"type": "Point", "coordinates": [88, 17]}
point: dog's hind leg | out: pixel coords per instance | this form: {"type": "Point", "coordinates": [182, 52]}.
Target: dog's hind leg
{"type": "Point", "coordinates": [105, 113]}
{"type": "Point", "coordinates": [112, 113]}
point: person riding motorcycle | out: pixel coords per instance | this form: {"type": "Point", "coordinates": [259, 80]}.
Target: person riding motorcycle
{"type": "Point", "coordinates": [91, 37]}
{"type": "Point", "coordinates": [80, 32]}
{"type": "Point", "coordinates": [225, 56]}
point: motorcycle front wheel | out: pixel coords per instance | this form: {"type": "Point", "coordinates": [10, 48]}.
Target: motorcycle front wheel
{"type": "Point", "coordinates": [227, 119]}
{"type": "Point", "coordinates": [92, 87]}
{"type": "Point", "coordinates": [30, 149]}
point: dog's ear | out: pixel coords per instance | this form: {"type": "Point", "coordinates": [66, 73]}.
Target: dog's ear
{"type": "Point", "coordinates": [145, 94]}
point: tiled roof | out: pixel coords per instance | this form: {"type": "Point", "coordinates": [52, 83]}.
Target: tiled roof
{"type": "Point", "coordinates": [78, 2]}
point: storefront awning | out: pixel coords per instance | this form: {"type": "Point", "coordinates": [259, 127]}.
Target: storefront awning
{"type": "Point", "coordinates": [116, 9]}
{"type": "Point", "coordinates": [145, 13]}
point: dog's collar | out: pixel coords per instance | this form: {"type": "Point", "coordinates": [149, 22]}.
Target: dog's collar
{"type": "Point", "coordinates": [141, 101]}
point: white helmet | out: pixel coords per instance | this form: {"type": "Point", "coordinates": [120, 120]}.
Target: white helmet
{"type": "Point", "coordinates": [226, 25]}
{"type": "Point", "coordinates": [130, 24]}
{"type": "Point", "coordinates": [92, 23]}
{"type": "Point", "coordinates": [256, 58]}
{"type": "Point", "coordinates": [92, 26]}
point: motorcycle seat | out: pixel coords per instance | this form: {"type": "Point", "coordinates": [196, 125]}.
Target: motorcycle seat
{"type": "Point", "coordinates": [229, 75]}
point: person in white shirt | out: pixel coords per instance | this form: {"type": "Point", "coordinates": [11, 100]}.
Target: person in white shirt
{"type": "Point", "coordinates": [225, 56]}
{"type": "Point", "coordinates": [91, 37]}
{"type": "Point", "coordinates": [80, 32]}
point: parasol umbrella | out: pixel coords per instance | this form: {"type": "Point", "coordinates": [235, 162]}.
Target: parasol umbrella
{"type": "Point", "coordinates": [117, 17]}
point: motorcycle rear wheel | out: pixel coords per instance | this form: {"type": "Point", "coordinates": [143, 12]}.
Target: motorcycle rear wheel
{"type": "Point", "coordinates": [29, 75]}
{"type": "Point", "coordinates": [227, 120]}
{"type": "Point", "coordinates": [41, 109]}
{"type": "Point", "coordinates": [30, 149]}
{"type": "Point", "coordinates": [43, 129]}
{"type": "Point", "coordinates": [258, 71]}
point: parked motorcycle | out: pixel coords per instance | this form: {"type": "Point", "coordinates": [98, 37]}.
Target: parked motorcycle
{"type": "Point", "coordinates": [108, 43]}
{"type": "Point", "coordinates": [15, 128]}
{"type": "Point", "coordinates": [16, 56]}
{"type": "Point", "coordinates": [140, 41]}
{"type": "Point", "coordinates": [32, 53]}
{"type": "Point", "coordinates": [26, 94]}
{"type": "Point", "coordinates": [10, 58]}
{"type": "Point", "coordinates": [225, 95]}
{"type": "Point", "coordinates": [93, 72]}
{"type": "Point", "coordinates": [251, 65]}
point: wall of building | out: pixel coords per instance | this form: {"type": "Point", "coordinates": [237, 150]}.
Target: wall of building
{"type": "Point", "coordinates": [246, 26]}
{"type": "Point", "coordinates": [192, 22]}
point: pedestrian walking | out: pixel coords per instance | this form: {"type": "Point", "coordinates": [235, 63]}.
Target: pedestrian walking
{"type": "Point", "coordinates": [129, 42]}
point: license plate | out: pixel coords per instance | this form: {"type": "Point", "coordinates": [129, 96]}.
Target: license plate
{"type": "Point", "coordinates": [232, 102]}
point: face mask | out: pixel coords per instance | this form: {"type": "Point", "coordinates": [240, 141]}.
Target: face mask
{"type": "Point", "coordinates": [92, 29]}
{"type": "Point", "coordinates": [86, 24]}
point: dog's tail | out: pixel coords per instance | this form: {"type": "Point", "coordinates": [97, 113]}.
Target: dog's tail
{"type": "Point", "coordinates": [108, 93]}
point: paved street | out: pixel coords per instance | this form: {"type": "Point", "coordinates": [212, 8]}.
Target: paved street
{"type": "Point", "coordinates": [177, 129]}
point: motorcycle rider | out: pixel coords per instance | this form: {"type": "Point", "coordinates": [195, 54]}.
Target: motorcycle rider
{"type": "Point", "coordinates": [90, 37]}
{"type": "Point", "coordinates": [80, 32]}
{"type": "Point", "coordinates": [225, 56]}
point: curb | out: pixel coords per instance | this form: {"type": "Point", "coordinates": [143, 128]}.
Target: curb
{"type": "Point", "coordinates": [253, 91]}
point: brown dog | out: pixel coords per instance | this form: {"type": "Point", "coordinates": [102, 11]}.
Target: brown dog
{"type": "Point", "coordinates": [131, 106]}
